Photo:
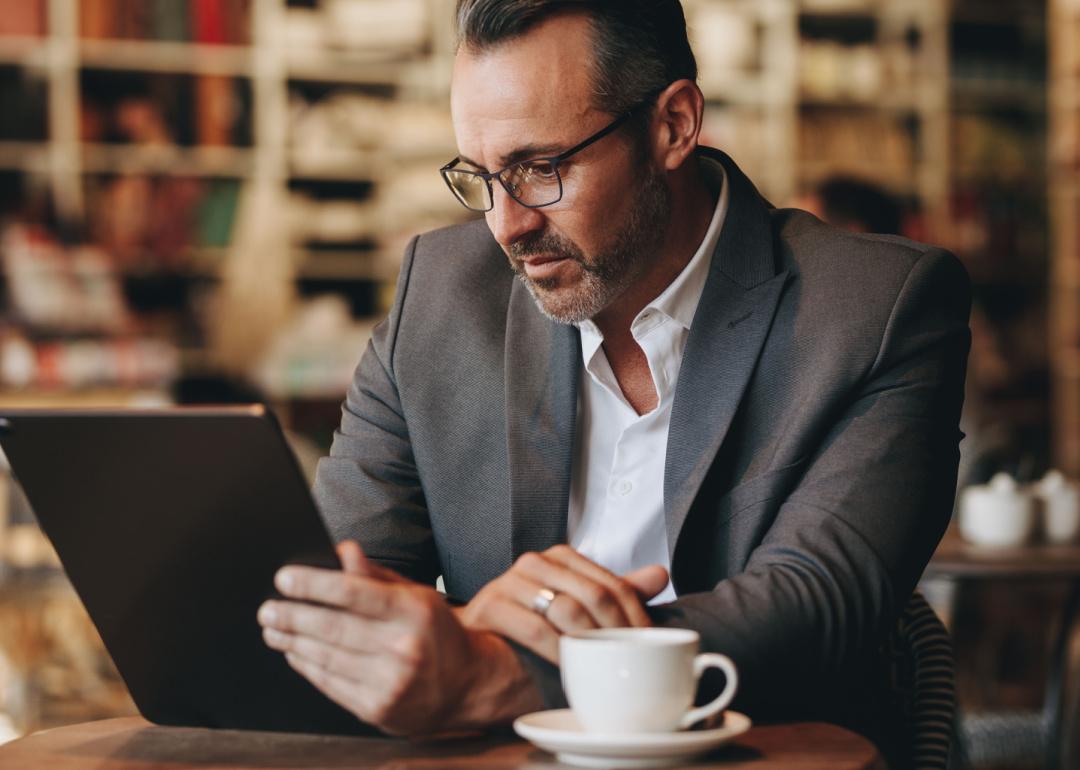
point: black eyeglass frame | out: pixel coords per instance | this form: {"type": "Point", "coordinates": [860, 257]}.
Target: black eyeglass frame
{"type": "Point", "coordinates": [554, 160]}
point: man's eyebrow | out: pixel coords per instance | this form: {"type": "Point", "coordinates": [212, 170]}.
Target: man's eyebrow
{"type": "Point", "coordinates": [527, 152]}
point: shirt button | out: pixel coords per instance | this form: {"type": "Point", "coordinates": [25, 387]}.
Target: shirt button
{"type": "Point", "coordinates": [623, 488]}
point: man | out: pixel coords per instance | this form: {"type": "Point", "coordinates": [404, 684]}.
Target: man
{"type": "Point", "coordinates": [671, 378]}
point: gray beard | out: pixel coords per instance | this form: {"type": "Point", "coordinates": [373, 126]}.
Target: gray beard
{"type": "Point", "coordinates": [606, 276]}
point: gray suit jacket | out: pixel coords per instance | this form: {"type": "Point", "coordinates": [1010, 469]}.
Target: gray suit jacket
{"type": "Point", "coordinates": [811, 461]}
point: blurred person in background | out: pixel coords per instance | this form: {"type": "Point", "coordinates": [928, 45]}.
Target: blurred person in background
{"type": "Point", "coordinates": [634, 394]}
{"type": "Point", "coordinates": [856, 205]}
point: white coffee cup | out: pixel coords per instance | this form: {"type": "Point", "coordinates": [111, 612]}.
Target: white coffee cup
{"type": "Point", "coordinates": [1000, 513]}
{"type": "Point", "coordinates": [1061, 507]}
{"type": "Point", "coordinates": [639, 680]}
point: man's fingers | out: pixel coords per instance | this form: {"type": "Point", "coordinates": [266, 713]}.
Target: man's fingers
{"type": "Point", "coordinates": [337, 660]}
{"type": "Point", "coordinates": [568, 615]}
{"type": "Point", "coordinates": [330, 625]}
{"type": "Point", "coordinates": [352, 558]}
{"type": "Point", "coordinates": [565, 615]}
{"type": "Point", "coordinates": [525, 627]}
{"type": "Point", "coordinates": [610, 600]}
{"type": "Point", "coordinates": [648, 581]}
{"type": "Point", "coordinates": [604, 607]}
{"type": "Point", "coordinates": [365, 596]}
{"type": "Point", "coordinates": [355, 562]}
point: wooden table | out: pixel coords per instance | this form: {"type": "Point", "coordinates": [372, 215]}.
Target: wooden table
{"type": "Point", "coordinates": [957, 560]}
{"type": "Point", "coordinates": [134, 744]}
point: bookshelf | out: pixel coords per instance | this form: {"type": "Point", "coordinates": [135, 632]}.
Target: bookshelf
{"type": "Point", "coordinates": [1064, 279]}
{"type": "Point", "coordinates": [872, 99]}
{"type": "Point", "coordinates": [304, 205]}
{"type": "Point", "coordinates": [800, 90]}
{"type": "Point", "coordinates": [1000, 223]}
{"type": "Point", "coordinates": [744, 50]}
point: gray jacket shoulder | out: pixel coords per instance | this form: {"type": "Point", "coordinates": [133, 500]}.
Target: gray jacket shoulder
{"type": "Point", "coordinates": [855, 273]}
{"type": "Point", "coordinates": [460, 257]}
{"type": "Point", "coordinates": [450, 311]}
{"type": "Point", "coordinates": [854, 301]}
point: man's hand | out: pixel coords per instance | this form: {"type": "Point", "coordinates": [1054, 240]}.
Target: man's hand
{"type": "Point", "coordinates": [392, 651]}
{"type": "Point", "coordinates": [586, 596]}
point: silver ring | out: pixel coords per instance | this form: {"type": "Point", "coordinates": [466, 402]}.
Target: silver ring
{"type": "Point", "coordinates": [541, 603]}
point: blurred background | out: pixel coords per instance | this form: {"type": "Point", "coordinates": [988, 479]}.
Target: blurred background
{"type": "Point", "coordinates": [207, 201]}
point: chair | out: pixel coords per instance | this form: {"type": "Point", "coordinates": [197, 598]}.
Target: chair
{"type": "Point", "coordinates": [923, 684]}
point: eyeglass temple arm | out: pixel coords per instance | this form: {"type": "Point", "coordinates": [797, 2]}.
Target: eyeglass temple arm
{"type": "Point", "coordinates": [595, 137]}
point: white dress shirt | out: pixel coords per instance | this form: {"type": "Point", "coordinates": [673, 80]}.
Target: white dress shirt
{"type": "Point", "coordinates": [616, 515]}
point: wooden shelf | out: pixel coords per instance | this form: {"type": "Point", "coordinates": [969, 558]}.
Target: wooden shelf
{"type": "Point", "coordinates": [205, 264]}
{"type": "Point", "coordinates": [328, 67]}
{"type": "Point", "coordinates": [866, 13]}
{"type": "Point", "coordinates": [839, 7]}
{"type": "Point", "coordinates": [1064, 276]}
{"type": "Point", "coordinates": [352, 165]}
{"type": "Point", "coordinates": [30, 157]}
{"type": "Point", "coordinates": [743, 89]}
{"type": "Point", "coordinates": [1065, 96]}
{"type": "Point", "coordinates": [989, 94]}
{"type": "Point", "coordinates": [360, 266]}
{"type": "Point", "coordinates": [167, 159]}
{"type": "Point", "coordinates": [23, 51]}
{"type": "Point", "coordinates": [1068, 364]}
{"type": "Point", "coordinates": [885, 101]}
{"type": "Point", "coordinates": [813, 173]}
{"type": "Point", "coordinates": [166, 57]}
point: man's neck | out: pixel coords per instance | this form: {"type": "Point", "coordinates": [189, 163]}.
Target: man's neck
{"type": "Point", "coordinates": [693, 203]}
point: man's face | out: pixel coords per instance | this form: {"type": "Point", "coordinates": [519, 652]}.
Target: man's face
{"type": "Point", "coordinates": [531, 97]}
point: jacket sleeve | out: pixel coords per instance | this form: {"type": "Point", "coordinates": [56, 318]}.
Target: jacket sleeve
{"type": "Point", "coordinates": [368, 488]}
{"type": "Point", "coordinates": [850, 542]}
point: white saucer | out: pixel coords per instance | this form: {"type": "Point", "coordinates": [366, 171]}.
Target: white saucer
{"type": "Point", "coordinates": [559, 732]}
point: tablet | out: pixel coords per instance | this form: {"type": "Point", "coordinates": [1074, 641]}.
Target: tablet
{"type": "Point", "coordinates": [170, 525]}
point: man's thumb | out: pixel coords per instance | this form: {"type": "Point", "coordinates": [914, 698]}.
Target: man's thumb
{"type": "Point", "coordinates": [648, 581]}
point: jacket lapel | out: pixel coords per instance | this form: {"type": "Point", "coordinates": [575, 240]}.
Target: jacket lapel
{"type": "Point", "coordinates": [542, 361]}
{"type": "Point", "coordinates": [730, 326]}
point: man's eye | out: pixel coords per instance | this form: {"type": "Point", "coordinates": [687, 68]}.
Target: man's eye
{"type": "Point", "coordinates": [541, 170]}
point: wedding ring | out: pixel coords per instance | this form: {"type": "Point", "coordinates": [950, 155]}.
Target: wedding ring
{"type": "Point", "coordinates": [541, 603]}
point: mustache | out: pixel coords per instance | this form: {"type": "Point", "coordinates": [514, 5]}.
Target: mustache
{"type": "Point", "coordinates": [543, 245]}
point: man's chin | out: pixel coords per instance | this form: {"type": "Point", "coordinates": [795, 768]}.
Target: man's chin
{"type": "Point", "coordinates": [561, 304]}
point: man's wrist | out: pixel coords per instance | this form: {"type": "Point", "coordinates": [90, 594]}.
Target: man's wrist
{"type": "Point", "coordinates": [499, 689]}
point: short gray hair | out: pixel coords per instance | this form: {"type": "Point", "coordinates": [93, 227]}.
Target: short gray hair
{"type": "Point", "coordinates": [640, 46]}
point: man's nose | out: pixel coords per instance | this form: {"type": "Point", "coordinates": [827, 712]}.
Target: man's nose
{"type": "Point", "coordinates": [509, 221]}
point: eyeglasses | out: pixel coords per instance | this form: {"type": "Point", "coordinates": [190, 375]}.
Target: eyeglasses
{"type": "Point", "coordinates": [533, 183]}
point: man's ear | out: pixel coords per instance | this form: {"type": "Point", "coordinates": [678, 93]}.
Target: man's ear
{"type": "Point", "coordinates": [677, 123]}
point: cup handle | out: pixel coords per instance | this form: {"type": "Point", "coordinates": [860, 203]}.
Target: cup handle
{"type": "Point", "coordinates": [712, 660]}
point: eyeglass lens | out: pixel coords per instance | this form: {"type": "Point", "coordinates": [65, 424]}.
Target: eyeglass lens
{"type": "Point", "coordinates": [534, 183]}
{"type": "Point", "coordinates": [470, 189]}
